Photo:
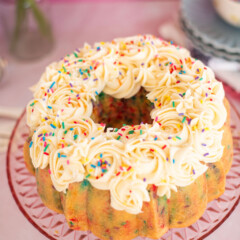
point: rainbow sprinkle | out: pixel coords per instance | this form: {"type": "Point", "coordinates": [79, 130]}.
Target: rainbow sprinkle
{"type": "Point", "coordinates": [52, 85]}
{"type": "Point", "coordinates": [53, 126]}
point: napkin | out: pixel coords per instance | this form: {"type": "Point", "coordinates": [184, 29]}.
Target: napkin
{"type": "Point", "coordinates": [8, 117]}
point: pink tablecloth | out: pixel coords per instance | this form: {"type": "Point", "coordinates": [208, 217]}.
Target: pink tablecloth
{"type": "Point", "coordinates": [73, 25]}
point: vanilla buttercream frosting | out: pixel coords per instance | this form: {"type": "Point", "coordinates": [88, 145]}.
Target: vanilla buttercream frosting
{"type": "Point", "coordinates": [172, 152]}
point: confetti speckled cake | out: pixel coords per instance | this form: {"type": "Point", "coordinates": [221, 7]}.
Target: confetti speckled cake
{"type": "Point", "coordinates": [129, 138]}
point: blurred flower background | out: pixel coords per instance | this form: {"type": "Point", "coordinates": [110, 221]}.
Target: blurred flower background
{"type": "Point", "coordinates": [34, 33]}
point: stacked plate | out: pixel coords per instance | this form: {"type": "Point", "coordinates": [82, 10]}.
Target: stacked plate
{"type": "Point", "coordinates": [208, 32]}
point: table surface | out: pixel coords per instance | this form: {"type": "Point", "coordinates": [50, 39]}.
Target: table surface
{"type": "Point", "coordinates": [74, 24]}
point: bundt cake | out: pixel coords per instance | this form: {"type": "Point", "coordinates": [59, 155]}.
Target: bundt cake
{"type": "Point", "coordinates": [129, 138]}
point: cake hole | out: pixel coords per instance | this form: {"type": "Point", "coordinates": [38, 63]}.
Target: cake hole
{"type": "Point", "coordinates": [116, 112]}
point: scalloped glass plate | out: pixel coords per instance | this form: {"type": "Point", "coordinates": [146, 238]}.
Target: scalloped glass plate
{"type": "Point", "coordinates": [53, 225]}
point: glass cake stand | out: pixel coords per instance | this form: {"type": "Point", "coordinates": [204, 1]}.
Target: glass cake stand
{"type": "Point", "coordinates": [52, 225]}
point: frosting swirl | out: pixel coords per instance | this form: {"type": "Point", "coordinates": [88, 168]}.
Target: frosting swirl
{"type": "Point", "coordinates": [79, 130]}
{"type": "Point", "coordinates": [44, 142]}
{"type": "Point", "coordinates": [173, 127]}
{"type": "Point", "coordinates": [184, 166]}
{"type": "Point", "coordinates": [102, 161]}
{"type": "Point", "coordinates": [207, 144]}
{"type": "Point", "coordinates": [69, 103]}
{"type": "Point", "coordinates": [128, 194]}
{"type": "Point", "coordinates": [121, 82]}
{"type": "Point", "coordinates": [37, 113]}
{"type": "Point", "coordinates": [148, 159]}
{"type": "Point", "coordinates": [66, 167]}
{"type": "Point", "coordinates": [165, 187]}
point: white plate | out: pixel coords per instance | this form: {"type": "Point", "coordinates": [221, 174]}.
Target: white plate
{"type": "Point", "coordinates": [208, 49]}
{"type": "Point", "coordinates": [201, 18]}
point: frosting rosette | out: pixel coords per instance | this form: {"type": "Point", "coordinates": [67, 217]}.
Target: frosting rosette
{"type": "Point", "coordinates": [148, 159]}
{"type": "Point", "coordinates": [121, 82]}
{"type": "Point", "coordinates": [209, 113]}
{"type": "Point", "coordinates": [207, 144]}
{"type": "Point", "coordinates": [79, 130]}
{"type": "Point", "coordinates": [90, 72]}
{"type": "Point", "coordinates": [37, 113]}
{"type": "Point", "coordinates": [164, 96]}
{"type": "Point", "coordinates": [166, 186]}
{"type": "Point", "coordinates": [137, 50]}
{"type": "Point", "coordinates": [95, 53]}
{"type": "Point", "coordinates": [102, 161]}
{"type": "Point", "coordinates": [66, 167]}
{"type": "Point", "coordinates": [205, 90]}
{"type": "Point", "coordinates": [184, 166]}
{"type": "Point", "coordinates": [44, 142]}
{"type": "Point", "coordinates": [128, 194]}
{"type": "Point", "coordinates": [173, 126]}
{"type": "Point", "coordinates": [165, 69]}
{"type": "Point", "coordinates": [49, 79]}
{"type": "Point", "coordinates": [64, 104]}
{"type": "Point", "coordinates": [200, 72]}
{"type": "Point", "coordinates": [69, 103]}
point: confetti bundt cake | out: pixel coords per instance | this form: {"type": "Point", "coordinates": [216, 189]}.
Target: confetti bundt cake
{"type": "Point", "coordinates": [129, 138]}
